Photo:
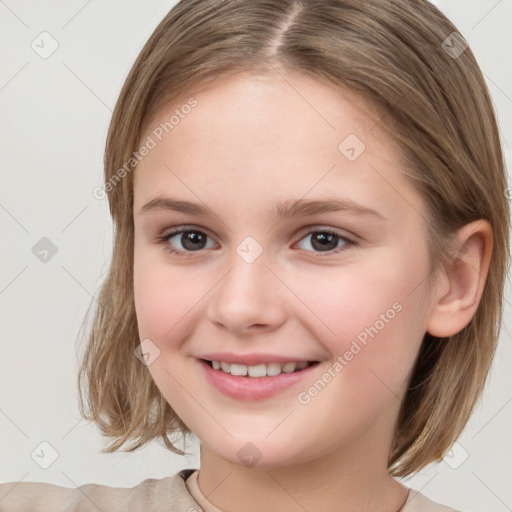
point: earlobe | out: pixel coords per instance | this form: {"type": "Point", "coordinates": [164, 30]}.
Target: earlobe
{"type": "Point", "coordinates": [457, 301]}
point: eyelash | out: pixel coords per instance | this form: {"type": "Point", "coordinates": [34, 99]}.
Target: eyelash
{"type": "Point", "coordinates": [348, 242]}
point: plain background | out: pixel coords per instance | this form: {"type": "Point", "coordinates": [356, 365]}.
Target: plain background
{"type": "Point", "coordinates": [54, 117]}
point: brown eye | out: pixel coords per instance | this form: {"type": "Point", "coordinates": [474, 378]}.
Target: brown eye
{"type": "Point", "coordinates": [326, 241]}
{"type": "Point", "coordinates": [185, 241]}
{"type": "Point", "coordinates": [193, 240]}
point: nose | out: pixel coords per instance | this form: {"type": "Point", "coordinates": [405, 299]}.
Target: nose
{"type": "Point", "coordinates": [249, 298]}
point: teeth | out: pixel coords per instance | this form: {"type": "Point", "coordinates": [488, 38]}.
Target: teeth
{"type": "Point", "coordinates": [259, 370]}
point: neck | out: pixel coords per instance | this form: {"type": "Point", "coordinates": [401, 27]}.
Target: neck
{"type": "Point", "coordinates": [337, 482]}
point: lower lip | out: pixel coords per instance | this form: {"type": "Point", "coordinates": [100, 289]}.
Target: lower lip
{"type": "Point", "coordinates": [253, 388]}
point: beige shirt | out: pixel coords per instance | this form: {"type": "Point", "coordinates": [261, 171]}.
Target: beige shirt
{"type": "Point", "coordinates": [169, 494]}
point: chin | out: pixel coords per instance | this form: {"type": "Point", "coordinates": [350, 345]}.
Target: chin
{"type": "Point", "coordinates": [261, 453]}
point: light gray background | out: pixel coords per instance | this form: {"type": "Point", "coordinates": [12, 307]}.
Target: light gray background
{"type": "Point", "coordinates": [53, 122]}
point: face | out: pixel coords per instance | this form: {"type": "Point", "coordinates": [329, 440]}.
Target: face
{"type": "Point", "coordinates": [342, 285]}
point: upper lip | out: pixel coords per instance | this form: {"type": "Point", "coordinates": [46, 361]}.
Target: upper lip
{"type": "Point", "coordinates": [252, 359]}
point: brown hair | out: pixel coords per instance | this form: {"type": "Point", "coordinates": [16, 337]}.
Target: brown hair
{"type": "Point", "coordinates": [389, 52]}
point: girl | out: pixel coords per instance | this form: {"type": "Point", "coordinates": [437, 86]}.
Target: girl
{"type": "Point", "coordinates": [310, 250]}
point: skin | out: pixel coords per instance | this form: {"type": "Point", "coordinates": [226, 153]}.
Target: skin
{"type": "Point", "coordinates": [251, 141]}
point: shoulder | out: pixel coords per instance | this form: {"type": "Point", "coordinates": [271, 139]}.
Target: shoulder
{"type": "Point", "coordinates": [418, 502]}
{"type": "Point", "coordinates": [43, 497]}
{"type": "Point", "coordinates": [155, 495]}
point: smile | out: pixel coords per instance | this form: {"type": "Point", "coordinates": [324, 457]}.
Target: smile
{"type": "Point", "coordinates": [256, 382]}
{"type": "Point", "coordinates": [259, 370]}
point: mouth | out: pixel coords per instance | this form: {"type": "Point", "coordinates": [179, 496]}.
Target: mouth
{"type": "Point", "coordinates": [259, 370]}
{"type": "Point", "coordinates": [257, 382]}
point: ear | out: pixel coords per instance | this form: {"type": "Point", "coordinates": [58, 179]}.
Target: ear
{"type": "Point", "coordinates": [462, 282]}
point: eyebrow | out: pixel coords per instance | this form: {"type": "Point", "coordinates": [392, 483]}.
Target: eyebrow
{"type": "Point", "coordinates": [290, 208]}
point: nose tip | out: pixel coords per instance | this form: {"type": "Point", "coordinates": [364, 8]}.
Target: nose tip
{"type": "Point", "coordinates": [246, 298]}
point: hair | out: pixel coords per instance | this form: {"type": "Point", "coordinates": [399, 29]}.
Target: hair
{"type": "Point", "coordinates": [438, 109]}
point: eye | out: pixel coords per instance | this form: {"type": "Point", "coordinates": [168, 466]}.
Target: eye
{"type": "Point", "coordinates": [191, 240]}
{"type": "Point", "coordinates": [327, 241]}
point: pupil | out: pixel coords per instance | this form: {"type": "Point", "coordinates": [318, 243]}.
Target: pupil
{"type": "Point", "coordinates": [190, 239]}
{"type": "Point", "coordinates": [322, 240]}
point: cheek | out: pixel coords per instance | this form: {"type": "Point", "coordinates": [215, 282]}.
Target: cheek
{"type": "Point", "coordinates": [163, 297]}
{"type": "Point", "coordinates": [166, 299]}
{"type": "Point", "coordinates": [350, 299]}
{"type": "Point", "coordinates": [368, 317]}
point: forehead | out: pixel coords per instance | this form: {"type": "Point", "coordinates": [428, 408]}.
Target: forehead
{"type": "Point", "coordinates": [264, 105]}
{"type": "Point", "coordinates": [268, 134]}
